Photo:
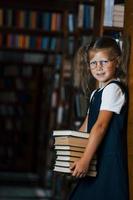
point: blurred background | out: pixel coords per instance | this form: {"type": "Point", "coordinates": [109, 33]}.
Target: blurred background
{"type": "Point", "coordinates": [40, 88]}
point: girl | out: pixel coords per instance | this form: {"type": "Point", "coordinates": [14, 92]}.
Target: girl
{"type": "Point", "coordinates": [106, 123]}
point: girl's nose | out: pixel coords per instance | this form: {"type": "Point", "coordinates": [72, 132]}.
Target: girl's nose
{"type": "Point", "coordinates": [99, 65]}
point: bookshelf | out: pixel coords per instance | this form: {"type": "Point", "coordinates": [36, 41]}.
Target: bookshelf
{"type": "Point", "coordinates": [113, 18]}
{"type": "Point", "coordinates": [38, 41]}
{"type": "Point", "coordinates": [18, 104]}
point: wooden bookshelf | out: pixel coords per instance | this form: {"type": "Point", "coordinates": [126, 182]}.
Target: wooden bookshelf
{"type": "Point", "coordinates": [113, 18]}
{"type": "Point", "coordinates": [42, 38]}
{"type": "Point", "coordinates": [128, 30]}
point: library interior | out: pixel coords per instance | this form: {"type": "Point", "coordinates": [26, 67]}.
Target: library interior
{"type": "Point", "coordinates": [40, 90]}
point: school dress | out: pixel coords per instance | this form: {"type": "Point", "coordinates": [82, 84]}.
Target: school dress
{"type": "Point", "coordinates": [111, 182]}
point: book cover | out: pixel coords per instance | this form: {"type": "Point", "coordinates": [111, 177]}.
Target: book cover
{"type": "Point", "coordinates": [69, 153]}
{"type": "Point", "coordinates": [119, 7]}
{"type": "Point", "coordinates": [67, 158]}
{"type": "Point", "coordinates": [118, 24]}
{"type": "Point", "coordinates": [72, 141]}
{"type": "Point", "coordinates": [80, 15]}
{"type": "Point", "coordinates": [73, 159]}
{"type": "Point", "coordinates": [70, 133]}
{"type": "Point", "coordinates": [1, 17]}
{"type": "Point", "coordinates": [71, 22]}
{"type": "Point", "coordinates": [54, 22]}
{"type": "Point", "coordinates": [66, 147]}
{"type": "Point", "coordinates": [108, 12]}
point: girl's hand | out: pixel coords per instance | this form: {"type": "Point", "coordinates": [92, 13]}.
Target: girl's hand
{"type": "Point", "coordinates": [80, 168]}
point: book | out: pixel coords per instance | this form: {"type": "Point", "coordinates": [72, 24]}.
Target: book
{"type": "Point", "coordinates": [72, 141]}
{"type": "Point", "coordinates": [67, 170]}
{"type": "Point", "coordinates": [69, 153]}
{"type": "Point", "coordinates": [73, 159]}
{"type": "Point", "coordinates": [108, 12]}
{"type": "Point", "coordinates": [67, 147]}
{"type": "Point", "coordinates": [80, 15]}
{"type": "Point", "coordinates": [69, 164]}
{"type": "Point", "coordinates": [119, 7]}
{"type": "Point", "coordinates": [70, 133]}
{"type": "Point", "coordinates": [118, 24]}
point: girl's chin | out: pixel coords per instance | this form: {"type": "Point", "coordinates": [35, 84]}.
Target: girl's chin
{"type": "Point", "coordinates": [103, 80]}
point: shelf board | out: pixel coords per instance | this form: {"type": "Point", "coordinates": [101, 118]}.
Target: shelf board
{"type": "Point", "coordinates": [30, 50]}
{"type": "Point", "coordinates": [112, 28]}
{"type": "Point", "coordinates": [25, 31]}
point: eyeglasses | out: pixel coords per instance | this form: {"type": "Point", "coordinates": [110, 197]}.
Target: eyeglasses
{"type": "Point", "coordinates": [103, 63]}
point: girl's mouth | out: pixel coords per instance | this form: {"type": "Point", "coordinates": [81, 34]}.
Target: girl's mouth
{"type": "Point", "coordinates": [100, 74]}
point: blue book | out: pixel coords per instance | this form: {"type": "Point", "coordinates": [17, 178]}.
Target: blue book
{"type": "Point", "coordinates": [58, 61]}
{"type": "Point", "coordinates": [53, 43]}
{"type": "Point", "coordinates": [46, 21]}
{"type": "Point", "coordinates": [87, 17]}
{"type": "Point", "coordinates": [45, 42]}
{"type": "Point", "coordinates": [32, 42]}
{"type": "Point", "coordinates": [70, 22]}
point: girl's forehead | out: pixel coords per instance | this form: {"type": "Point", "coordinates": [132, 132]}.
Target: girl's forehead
{"type": "Point", "coordinates": [99, 53]}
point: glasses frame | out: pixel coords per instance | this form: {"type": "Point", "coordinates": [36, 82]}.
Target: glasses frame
{"type": "Point", "coordinates": [107, 61]}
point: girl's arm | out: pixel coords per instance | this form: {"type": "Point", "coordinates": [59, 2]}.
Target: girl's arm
{"type": "Point", "coordinates": [80, 167]}
{"type": "Point", "coordinates": [84, 125]}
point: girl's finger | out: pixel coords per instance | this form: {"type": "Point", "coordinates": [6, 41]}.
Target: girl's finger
{"type": "Point", "coordinates": [75, 173]}
{"type": "Point", "coordinates": [73, 166]}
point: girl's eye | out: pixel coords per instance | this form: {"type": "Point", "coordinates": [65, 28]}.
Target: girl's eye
{"type": "Point", "coordinates": [104, 62]}
{"type": "Point", "coordinates": [93, 63]}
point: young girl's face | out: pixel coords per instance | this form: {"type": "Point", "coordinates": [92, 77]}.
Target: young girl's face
{"type": "Point", "coordinates": [103, 65]}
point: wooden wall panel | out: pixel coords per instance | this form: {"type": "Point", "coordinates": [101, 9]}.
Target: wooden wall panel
{"type": "Point", "coordinates": [130, 163]}
{"type": "Point", "coordinates": [128, 28]}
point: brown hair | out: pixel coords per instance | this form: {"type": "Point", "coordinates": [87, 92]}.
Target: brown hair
{"type": "Point", "coordinates": [82, 78]}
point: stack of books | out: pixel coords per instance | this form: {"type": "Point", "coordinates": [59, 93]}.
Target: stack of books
{"type": "Point", "coordinates": [69, 147]}
{"type": "Point", "coordinates": [118, 15]}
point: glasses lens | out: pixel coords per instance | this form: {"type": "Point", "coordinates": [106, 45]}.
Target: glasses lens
{"type": "Point", "coordinates": [104, 62]}
{"type": "Point", "coordinates": [93, 64]}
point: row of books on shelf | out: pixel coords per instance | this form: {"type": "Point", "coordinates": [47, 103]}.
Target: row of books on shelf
{"type": "Point", "coordinates": [114, 14]}
{"type": "Point", "coordinates": [83, 20]}
{"type": "Point", "coordinates": [45, 43]}
{"type": "Point", "coordinates": [14, 111]}
{"type": "Point", "coordinates": [85, 16]}
{"type": "Point", "coordinates": [69, 147]}
{"type": "Point", "coordinates": [118, 15]}
{"type": "Point", "coordinates": [17, 84]}
{"type": "Point", "coordinates": [15, 97]}
{"type": "Point", "coordinates": [12, 40]}
{"type": "Point", "coordinates": [48, 21]}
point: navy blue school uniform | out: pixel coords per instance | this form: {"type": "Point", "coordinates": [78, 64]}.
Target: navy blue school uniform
{"type": "Point", "coordinates": [111, 182]}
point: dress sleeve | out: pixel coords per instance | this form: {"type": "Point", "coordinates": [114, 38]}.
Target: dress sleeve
{"type": "Point", "coordinates": [112, 98]}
